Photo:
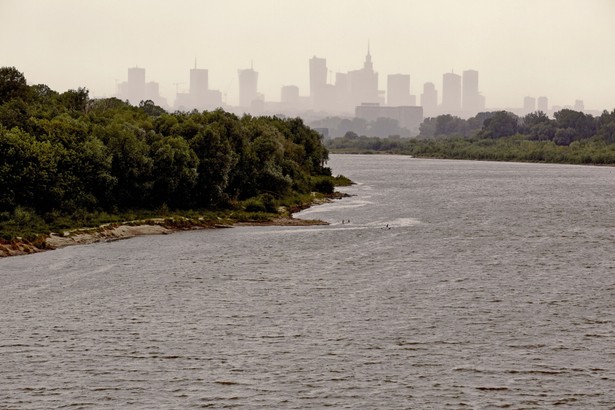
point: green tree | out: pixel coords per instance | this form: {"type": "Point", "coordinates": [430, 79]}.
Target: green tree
{"type": "Point", "coordinates": [384, 127]}
{"type": "Point", "coordinates": [131, 166]}
{"type": "Point", "coordinates": [502, 124]}
{"type": "Point", "coordinates": [175, 172]}
{"type": "Point", "coordinates": [12, 85]}
{"type": "Point", "coordinates": [606, 126]}
{"type": "Point", "coordinates": [583, 125]}
{"type": "Point", "coordinates": [151, 109]}
{"type": "Point", "coordinates": [75, 101]}
{"type": "Point", "coordinates": [216, 159]}
{"type": "Point", "coordinates": [28, 172]}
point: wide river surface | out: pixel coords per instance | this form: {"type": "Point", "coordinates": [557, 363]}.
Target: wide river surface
{"type": "Point", "coordinates": [450, 284]}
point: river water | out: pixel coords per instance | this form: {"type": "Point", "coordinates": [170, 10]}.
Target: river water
{"type": "Point", "coordinates": [450, 284]}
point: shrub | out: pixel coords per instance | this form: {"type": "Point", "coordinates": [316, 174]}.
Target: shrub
{"type": "Point", "coordinates": [324, 185]}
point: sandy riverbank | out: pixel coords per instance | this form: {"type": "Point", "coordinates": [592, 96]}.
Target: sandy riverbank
{"type": "Point", "coordinates": [116, 232]}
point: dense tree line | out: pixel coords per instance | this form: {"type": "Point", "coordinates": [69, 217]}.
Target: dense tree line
{"type": "Point", "coordinates": [570, 137]}
{"type": "Point", "coordinates": [63, 152]}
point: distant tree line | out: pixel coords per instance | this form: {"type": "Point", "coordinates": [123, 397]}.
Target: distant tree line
{"type": "Point", "coordinates": [61, 153]}
{"type": "Point", "coordinates": [570, 137]}
{"type": "Point", "coordinates": [381, 127]}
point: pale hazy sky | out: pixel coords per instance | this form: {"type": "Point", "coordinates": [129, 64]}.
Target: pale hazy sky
{"type": "Point", "coordinates": [563, 49]}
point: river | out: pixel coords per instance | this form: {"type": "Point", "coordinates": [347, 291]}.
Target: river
{"type": "Point", "coordinates": [438, 284]}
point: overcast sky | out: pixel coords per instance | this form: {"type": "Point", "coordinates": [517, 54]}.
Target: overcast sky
{"type": "Point", "coordinates": [562, 49]}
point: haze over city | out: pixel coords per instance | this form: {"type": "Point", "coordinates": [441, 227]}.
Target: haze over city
{"type": "Point", "coordinates": [559, 49]}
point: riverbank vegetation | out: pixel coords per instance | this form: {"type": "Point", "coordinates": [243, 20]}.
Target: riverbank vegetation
{"type": "Point", "coordinates": [570, 137]}
{"type": "Point", "coordinates": [69, 161]}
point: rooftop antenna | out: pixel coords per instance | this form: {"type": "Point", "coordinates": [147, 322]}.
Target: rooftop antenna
{"type": "Point", "coordinates": [195, 62]}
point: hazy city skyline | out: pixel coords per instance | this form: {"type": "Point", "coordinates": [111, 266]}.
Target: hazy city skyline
{"type": "Point", "coordinates": [558, 49]}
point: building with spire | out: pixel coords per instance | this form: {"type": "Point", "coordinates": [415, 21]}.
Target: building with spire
{"type": "Point", "coordinates": [364, 83]}
{"type": "Point", "coordinates": [199, 96]}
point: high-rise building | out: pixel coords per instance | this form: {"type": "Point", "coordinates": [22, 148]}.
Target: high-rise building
{"type": "Point", "coordinates": [290, 95]}
{"type": "Point", "coordinates": [136, 89]}
{"type": "Point", "coordinates": [543, 104]}
{"type": "Point", "coordinates": [318, 76]}
{"type": "Point", "coordinates": [248, 94]}
{"type": "Point", "coordinates": [199, 96]}
{"type": "Point", "coordinates": [199, 81]}
{"type": "Point", "coordinates": [133, 90]}
{"type": "Point", "coordinates": [529, 105]}
{"type": "Point", "coordinates": [398, 90]}
{"type": "Point", "coordinates": [322, 94]}
{"type": "Point", "coordinates": [470, 97]}
{"type": "Point", "coordinates": [364, 83]}
{"type": "Point", "coordinates": [152, 91]}
{"type": "Point", "coordinates": [136, 83]}
{"type": "Point", "coordinates": [429, 100]}
{"type": "Point", "coordinates": [578, 105]}
{"type": "Point", "coordinates": [342, 92]}
{"type": "Point", "coordinates": [451, 93]}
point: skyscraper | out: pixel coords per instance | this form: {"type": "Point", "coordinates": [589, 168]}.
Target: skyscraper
{"type": "Point", "coordinates": [429, 100]}
{"type": "Point", "coordinates": [248, 80]}
{"type": "Point", "coordinates": [199, 85]}
{"type": "Point", "coordinates": [470, 98]}
{"type": "Point", "coordinates": [289, 95]}
{"type": "Point", "coordinates": [318, 75]}
{"type": "Point", "coordinates": [398, 90]}
{"type": "Point", "coordinates": [543, 104]}
{"type": "Point", "coordinates": [321, 93]}
{"type": "Point", "coordinates": [529, 105]}
{"type": "Point", "coordinates": [451, 93]}
{"type": "Point", "coordinates": [199, 96]}
{"type": "Point", "coordinates": [364, 83]}
{"type": "Point", "coordinates": [199, 81]}
{"type": "Point", "coordinates": [134, 89]}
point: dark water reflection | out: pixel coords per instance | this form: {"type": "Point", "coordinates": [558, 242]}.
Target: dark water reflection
{"type": "Point", "coordinates": [492, 286]}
